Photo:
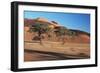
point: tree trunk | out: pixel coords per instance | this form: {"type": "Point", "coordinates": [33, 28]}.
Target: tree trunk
{"type": "Point", "coordinates": [63, 41]}
{"type": "Point", "coordinates": [40, 38]}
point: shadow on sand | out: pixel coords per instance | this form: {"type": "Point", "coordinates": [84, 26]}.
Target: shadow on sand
{"type": "Point", "coordinates": [43, 55]}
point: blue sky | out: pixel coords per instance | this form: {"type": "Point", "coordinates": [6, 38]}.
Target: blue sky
{"type": "Point", "coordinates": [78, 21]}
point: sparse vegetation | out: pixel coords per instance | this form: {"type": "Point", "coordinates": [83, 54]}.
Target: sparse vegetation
{"type": "Point", "coordinates": [40, 29]}
{"type": "Point", "coordinates": [62, 32]}
{"type": "Point", "coordinates": [42, 37]}
{"type": "Point", "coordinates": [57, 32]}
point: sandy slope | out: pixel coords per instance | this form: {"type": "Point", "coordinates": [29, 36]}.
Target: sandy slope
{"type": "Point", "coordinates": [76, 48]}
{"type": "Point", "coordinates": [68, 50]}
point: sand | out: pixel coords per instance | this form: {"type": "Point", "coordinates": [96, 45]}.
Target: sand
{"type": "Point", "coordinates": [34, 51]}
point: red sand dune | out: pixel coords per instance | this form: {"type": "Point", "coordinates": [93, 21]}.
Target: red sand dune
{"type": "Point", "coordinates": [77, 47]}
{"type": "Point", "coordinates": [82, 37]}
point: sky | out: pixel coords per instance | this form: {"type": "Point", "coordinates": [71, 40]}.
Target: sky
{"type": "Point", "coordinates": [77, 21]}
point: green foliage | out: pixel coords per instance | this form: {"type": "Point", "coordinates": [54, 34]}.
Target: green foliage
{"type": "Point", "coordinates": [42, 28]}
{"type": "Point", "coordinates": [71, 34]}
{"type": "Point", "coordinates": [61, 31]}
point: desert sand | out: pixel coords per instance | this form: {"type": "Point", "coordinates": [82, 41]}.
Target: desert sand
{"type": "Point", "coordinates": [76, 48]}
{"type": "Point", "coordinates": [34, 51]}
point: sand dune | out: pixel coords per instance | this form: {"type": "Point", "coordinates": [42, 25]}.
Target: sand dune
{"type": "Point", "coordinates": [75, 48]}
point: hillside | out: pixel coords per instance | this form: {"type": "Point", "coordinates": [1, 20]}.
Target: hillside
{"type": "Point", "coordinates": [82, 37]}
{"type": "Point", "coordinates": [74, 45]}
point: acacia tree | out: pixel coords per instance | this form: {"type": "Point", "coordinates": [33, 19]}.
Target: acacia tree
{"type": "Point", "coordinates": [62, 32]}
{"type": "Point", "coordinates": [40, 29]}
{"type": "Point", "coordinates": [71, 34]}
